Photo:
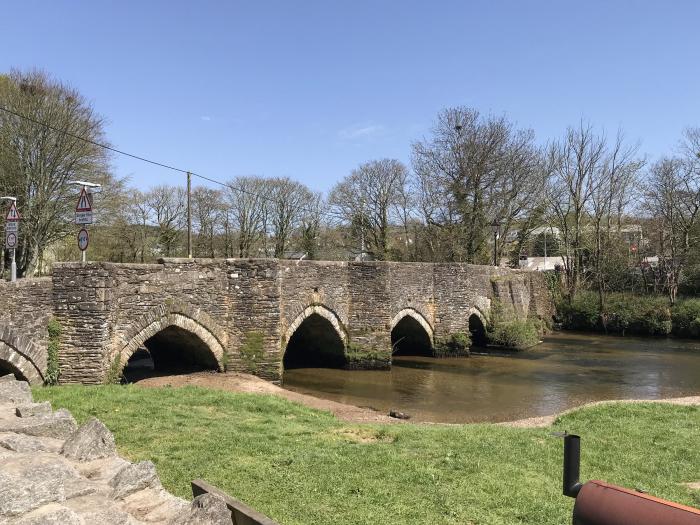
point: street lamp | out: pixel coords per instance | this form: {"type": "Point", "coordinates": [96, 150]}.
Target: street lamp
{"type": "Point", "coordinates": [495, 226]}
{"type": "Point", "coordinates": [13, 264]}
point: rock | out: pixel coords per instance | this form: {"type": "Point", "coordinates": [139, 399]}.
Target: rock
{"type": "Point", "coordinates": [59, 424]}
{"type": "Point", "coordinates": [7, 378]}
{"type": "Point", "coordinates": [51, 514]}
{"type": "Point", "coordinates": [134, 477]}
{"type": "Point", "coordinates": [91, 441]}
{"type": "Point", "coordinates": [205, 509]}
{"type": "Point", "coordinates": [24, 443]}
{"type": "Point", "coordinates": [399, 415]}
{"type": "Point", "coordinates": [33, 409]}
{"type": "Point", "coordinates": [31, 481]}
{"type": "Point", "coordinates": [16, 392]}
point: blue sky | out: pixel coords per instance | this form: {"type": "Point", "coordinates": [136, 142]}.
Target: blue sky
{"type": "Point", "coordinates": [311, 89]}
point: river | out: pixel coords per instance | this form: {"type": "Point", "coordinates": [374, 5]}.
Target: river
{"type": "Point", "coordinates": [566, 370]}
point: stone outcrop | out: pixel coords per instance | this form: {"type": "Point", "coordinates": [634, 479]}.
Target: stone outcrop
{"type": "Point", "coordinates": [54, 472]}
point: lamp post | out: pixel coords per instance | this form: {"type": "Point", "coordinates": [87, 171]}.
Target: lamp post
{"type": "Point", "coordinates": [495, 226]}
{"type": "Point", "coordinates": [90, 188]}
{"type": "Point", "coordinates": [13, 263]}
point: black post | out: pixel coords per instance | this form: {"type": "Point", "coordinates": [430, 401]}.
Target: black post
{"type": "Point", "coordinates": [572, 463]}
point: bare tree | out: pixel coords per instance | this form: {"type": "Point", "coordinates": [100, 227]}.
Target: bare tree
{"type": "Point", "coordinates": [36, 161]}
{"type": "Point", "coordinates": [207, 214]}
{"type": "Point", "coordinates": [244, 198]}
{"type": "Point", "coordinates": [168, 209]}
{"type": "Point", "coordinates": [672, 195]}
{"type": "Point", "coordinates": [474, 169]}
{"type": "Point", "coordinates": [366, 201]}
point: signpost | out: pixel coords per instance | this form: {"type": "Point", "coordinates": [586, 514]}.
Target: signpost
{"type": "Point", "coordinates": [83, 217]}
{"type": "Point", "coordinates": [12, 234]}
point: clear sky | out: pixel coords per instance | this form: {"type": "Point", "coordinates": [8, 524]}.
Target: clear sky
{"type": "Point", "coordinates": [310, 89]}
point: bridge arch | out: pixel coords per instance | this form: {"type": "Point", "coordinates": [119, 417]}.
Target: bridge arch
{"type": "Point", "coordinates": [21, 357]}
{"type": "Point", "coordinates": [477, 324]}
{"type": "Point", "coordinates": [316, 338]}
{"type": "Point", "coordinates": [178, 334]}
{"type": "Point", "coordinates": [411, 333]}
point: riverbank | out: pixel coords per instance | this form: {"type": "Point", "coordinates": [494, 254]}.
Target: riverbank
{"type": "Point", "coordinates": [300, 465]}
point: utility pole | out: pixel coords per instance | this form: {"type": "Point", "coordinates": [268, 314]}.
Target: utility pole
{"type": "Point", "coordinates": [189, 215]}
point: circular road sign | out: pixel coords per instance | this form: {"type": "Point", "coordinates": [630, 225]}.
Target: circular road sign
{"type": "Point", "coordinates": [11, 240]}
{"type": "Point", "coordinates": [83, 239]}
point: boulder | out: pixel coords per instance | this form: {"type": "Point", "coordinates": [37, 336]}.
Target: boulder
{"type": "Point", "coordinates": [33, 409]}
{"type": "Point", "coordinates": [14, 392]}
{"type": "Point", "coordinates": [50, 515]}
{"type": "Point", "coordinates": [134, 477]}
{"type": "Point", "coordinates": [59, 424]}
{"type": "Point", "coordinates": [91, 441]}
{"type": "Point", "coordinates": [206, 509]}
{"type": "Point", "coordinates": [24, 443]}
{"type": "Point", "coordinates": [30, 481]}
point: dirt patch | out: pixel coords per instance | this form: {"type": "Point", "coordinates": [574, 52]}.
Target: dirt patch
{"type": "Point", "coordinates": [695, 485]}
{"type": "Point", "coordinates": [362, 435]}
{"type": "Point", "coordinates": [237, 382]}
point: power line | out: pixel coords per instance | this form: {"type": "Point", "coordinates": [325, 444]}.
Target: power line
{"type": "Point", "coordinates": [143, 159]}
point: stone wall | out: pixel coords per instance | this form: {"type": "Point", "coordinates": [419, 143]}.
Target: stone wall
{"type": "Point", "coordinates": [25, 309]}
{"type": "Point", "coordinates": [245, 310]}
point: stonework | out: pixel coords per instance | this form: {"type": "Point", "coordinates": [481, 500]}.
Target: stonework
{"type": "Point", "coordinates": [244, 311]}
{"type": "Point", "coordinates": [68, 475]}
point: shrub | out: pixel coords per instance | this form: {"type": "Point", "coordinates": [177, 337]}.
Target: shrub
{"type": "Point", "coordinates": [685, 316]}
{"type": "Point", "coordinates": [623, 314]}
{"type": "Point", "coordinates": [52, 370]}
{"type": "Point", "coordinates": [456, 344]}
{"type": "Point", "coordinates": [514, 335]}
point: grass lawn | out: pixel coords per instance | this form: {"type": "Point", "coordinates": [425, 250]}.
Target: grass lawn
{"type": "Point", "coordinates": [302, 466]}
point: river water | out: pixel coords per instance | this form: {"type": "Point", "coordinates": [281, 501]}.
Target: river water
{"type": "Point", "coordinates": [566, 370]}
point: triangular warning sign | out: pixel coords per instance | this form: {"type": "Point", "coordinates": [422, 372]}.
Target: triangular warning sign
{"type": "Point", "coordinates": [83, 201]}
{"type": "Point", "coordinates": [13, 214]}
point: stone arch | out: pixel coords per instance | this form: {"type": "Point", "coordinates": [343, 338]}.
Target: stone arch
{"type": "Point", "coordinates": [191, 321]}
{"type": "Point", "coordinates": [416, 324]}
{"type": "Point", "coordinates": [417, 316]}
{"type": "Point", "coordinates": [22, 356]}
{"type": "Point", "coordinates": [324, 312]}
{"type": "Point", "coordinates": [477, 324]}
{"type": "Point", "coordinates": [316, 338]}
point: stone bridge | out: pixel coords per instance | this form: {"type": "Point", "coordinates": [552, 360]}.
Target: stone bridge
{"type": "Point", "coordinates": [252, 315]}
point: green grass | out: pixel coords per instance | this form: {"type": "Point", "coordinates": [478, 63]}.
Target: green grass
{"type": "Point", "coordinates": [302, 466]}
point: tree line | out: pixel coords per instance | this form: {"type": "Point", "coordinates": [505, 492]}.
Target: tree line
{"type": "Point", "coordinates": [472, 173]}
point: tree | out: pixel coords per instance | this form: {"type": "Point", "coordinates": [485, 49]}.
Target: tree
{"type": "Point", "coordinates": [36, 161]}
{"type": "Point", "coordinates": [474, 170]}
{"type": "Point", "coordinates": [672, 196]}
{"type": "Point", "coordinates": [286, 205]}
{"type": "Point", "coordinates": [244, 198]}
{"type": "Point", "coordinates": [207, 210]}
{"type": "Point", "coordinates": [366, 202]}
{"type": "Point", "coordinates": [167, 205]}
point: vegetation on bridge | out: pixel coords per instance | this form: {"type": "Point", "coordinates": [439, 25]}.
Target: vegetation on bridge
{"type": "Point", "coordinates": [303, 466]}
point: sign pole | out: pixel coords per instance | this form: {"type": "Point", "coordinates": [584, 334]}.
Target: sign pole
{"type": "Point", "coordinates": [13, 267]}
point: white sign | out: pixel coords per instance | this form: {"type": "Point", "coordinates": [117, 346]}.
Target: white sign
{"type": "Point", "coordinates": [11, 226]}
{"type": "Point", "coordinates": [83, 217]}
{"type": "Point", "coordinates": [83, 239]}
{"type": "Point", "coordinates": [10, 240]}
{"type": "Point", "coordinates": [13, 214]}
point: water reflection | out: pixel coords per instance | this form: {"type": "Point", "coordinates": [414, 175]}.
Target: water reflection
{"type": "Point", "coordinates": [565, 371]}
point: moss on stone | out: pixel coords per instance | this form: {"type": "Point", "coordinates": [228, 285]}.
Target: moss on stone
{"type": "Point", "coordinates": [252, 350]}
{"type": "Point", "coordinates": [453, 345]}
{"type": "Point", "coordinates": [52, 370]}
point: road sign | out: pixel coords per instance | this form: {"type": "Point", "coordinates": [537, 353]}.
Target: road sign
{"type": "Point", "coordinates": [11, 226]}
{"type": "Point", "coordinates": [13, 214]}
{"type": "Point", "coordinates": [83, 210]}
{"type": "Point", "coordinates": [10, 240]}
{"type": "Point", "coordinates": [83, 239]}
